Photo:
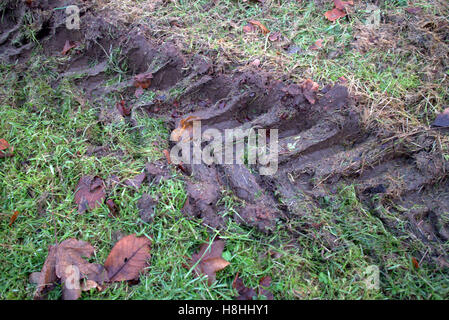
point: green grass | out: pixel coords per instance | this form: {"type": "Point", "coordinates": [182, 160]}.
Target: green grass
{"type": "Point", "coordinates": [51, 126]}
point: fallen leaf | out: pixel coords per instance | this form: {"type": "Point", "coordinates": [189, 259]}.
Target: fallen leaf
{"type": "Point", "coordinates": [249, 28]}
{"type": "Point", "coordinates": [90, 193]}
{"type": "Point", "coordinates": [146, 206]}
{"type": "Point", "coordinates": [112, 207]}
{"type": "Point", "coordinates": [334, 14]}
{"type": "Point", "coordinates": [68, 46]}
{"type": "Point", "coordinates": [309, 89]}
{"type": "Point", "coordinates": [124, 111]}
{"type": "Point", "coordinates": [127, 258]}
{"type": "Point", "coordinates": [442, 120]}
{"type": "Point", "coordinates": [167, 155]}
{"type": "Point", "coordinates": [255, 63]}
{"type": "Point", "coordinates": [136, 182]}
{"type": "Point", "coordinates": [185, 127]}
{"type": "Point", "coordinates": [244, 292]}
{"type": "Point", "coordinates": [264, 284]}
{"type": "Point", "coordinates": [143, 80]}
{"type": "Point", "coordinates": [209, 260]}
{"type": "Point", "coordinates": [260, 26]}
{"type": "Point", "coordinates": [317, 45]}
{"type": "Point", "coordinates": [13, 217]}
{"type": "Point", "coordinates": [275, 36]}
{"type": "Point", "coordinates": [71, 267]}
{"type": "Point", "coordinates": [4, 144]}
{"type": "Point", "coordinates": [47, 276]}
{"type": "Point", "coordinates": [342, 4]}
{"type": "Point", "coordinates": [415, 263]}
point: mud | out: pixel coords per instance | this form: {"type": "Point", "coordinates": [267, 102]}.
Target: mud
{"type": "Point", "coordinates": [323, 144]}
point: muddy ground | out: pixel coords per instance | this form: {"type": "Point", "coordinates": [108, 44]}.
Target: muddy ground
{"type": "Point", "coordinates": [323, 142]}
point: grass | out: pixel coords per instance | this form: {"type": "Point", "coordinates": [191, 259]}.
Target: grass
{"type": "Point", "coordinates": [51, 126]}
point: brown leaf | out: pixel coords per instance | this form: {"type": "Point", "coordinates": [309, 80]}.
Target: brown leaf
{"type": "Point", "coordinates": [249, 28]}
{"type": "Point", "coordinates": [143, 80]}
{"type": "Point", "coordinates": [167, 155]}
{"type": "Point", "coordinates": [47, 276]}
{"type": "Point", "coordinates": [275, 36]}
{"type": "Point", "coordinates": [260, 26]}
{"type": "Point", "coordinates": [339, 4]}
{"type": "Point", "coordinates": [122, 109]}
{"type": "Point", "coordinates": [264, 284]}
{"type": "Point", "coordinates": [309, 89]}
{"type": "Point", "coordinates": [185, 127]}
{"type": "Point", "coordinates": [127, 258]}
{"type": "Point", "coordinates": [112, 207]}
{"type": "Point", "coordinates": [146, 206]}
{"type": "Point", "coordinates": [13, 217]}
{"type": "Point", "coordinates": [415, 263]}
{"type": "Point", "coordinates": [4, 144]}
{"type": "Point", "coordinates": [209, 260]}
{"type": "Point", "coordinates": [90, 193]}
{"type": "Point", "coordinates": [317, 45]}
{"type": "Point", "coordinates": [71, 267]}
{"type": "Point", "coordinates": [68, 46]}
{"type": "Point", "coordinates": [442, 120]}
{"type": "Point", "coordinates": [244, 292]}
{"type": "Point", "coordinates": [334, 14]}
{"type": "Point", "coordinates": [136, 182]}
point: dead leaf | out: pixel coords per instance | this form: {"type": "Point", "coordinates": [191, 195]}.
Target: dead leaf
{"type": "Point", "coordinates": [68, 46]}
{"type": "Point", "coordinates": [4, 144]}
{"type": "Point", "coordinates": [124, 111]}
{"type": "Point", "coordinates": [13, 217]}
{"type": "Point", "coordinates": [185, 127]}
{"type": "Point", "coordinates": [339, 4]}
{"type": "Point", "coordinates": [264, 284]}
{"type": "Point", "coordinates": [244, 292]}
{"type": "Point", "coordinates": [413, 10]}
{"type": "Point", "coordinates": [260, 26]}
{"type": "Point", "coordinates": [334, 14]}
{"type": "Point", "coordinates": [317, 45]}
{"type": "Point", "coordinates": [127, 258]}
{"type": "Point", "coordinates": [46, 278]}
{"type": "Point", "coordinates": [249, 28]}
{"type": "Point", "coordinates": [146, 206]}
{"type": "Point", "coordinates": [112, 207]}
{"type": "Point", "coordinates": [415, 263]}
{"type": "Point", "coordinates": [442, 120]}
{"type": "Point", "coordinates": [309, 89]}
{"type": "Point", "coordinates": [136, 182]}
{"type": "Point", "coordinates": [255, 63]}
{"type": "Point", "coordinates": [90, 193]}
{"type": "Point", "coordinates": [71, 267]}
{"type": "Point", "coordinates": [208, 260]}
{"type": "Point", "coordinates": [275, 36]}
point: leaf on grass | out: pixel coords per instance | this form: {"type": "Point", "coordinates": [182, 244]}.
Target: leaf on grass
{"type": "Point", "coordinates": [317, 45]}
{"type": "Point", "coordinates": [146, 206]}
{"type": "Point", "coordinates": [334, 14]}
{"type": "Point", "coordinates": [90, 193]}
{"type": "Point", "coordinates": [260, 26]}
{"type": "Point", "coordinates": [137, 181]}
{"type": "Point", "coordinates": [71, 267]}
{"type": "Point", "coordinates": [68, 46]}
{"type": "Point", "coordinates": [122, 109]}
{"type": "Point", "coordinates": [442, 120]}
{"type": "Point", "coordinates": [264, 284]}
{"type": "Point", "coordinates": [339, 4]}
{"type": "Point", "coordinates": [415, 263]}
{"type": "Point", "coordinates": [127, 258]}
{"type": "Point", "coordinates": [275, 36]}
{"type": "Point", "coordinates": [244, 292]}
{"type": "Point", "coordinates": [47, 276]}
{"type": "Point", "coordinates": [209, 260]}
{"type": "Point", "coordinates": [309, 89]}
{"type": "Point", "coordinates": [13, 217]}
{"type": "Point", "coordinates": [4, 144]}
{"type": "Point", "coordinates": [113, 209]}
{"type": "Point", "coordinates": [184, 130]}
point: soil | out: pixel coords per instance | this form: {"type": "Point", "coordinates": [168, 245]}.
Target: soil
{"type": "Point", "coordinates": [323, 143]}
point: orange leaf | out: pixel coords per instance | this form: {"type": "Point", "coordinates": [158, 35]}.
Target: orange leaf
{"type": "Point", "coordinates": [415, 263]}
{"type": "Point", "coordinates": [4, 144]}
{"type": "Point", "coordinates": [67, 47]}
{"type": "Point", "coordinates": [342, 4]}
{"type": "Point", "coordinates": [13, 217]}
{"type": "Point", "coordinates": [317, 45]}
{"type": "Point", "coordinates": [184, 125]}
{"type": "Point", "coordinates": [334, 14]}
{"type": "Point", "coordinates": [260, 25]}
{"type": "Point", "coordinates": [167, 155]}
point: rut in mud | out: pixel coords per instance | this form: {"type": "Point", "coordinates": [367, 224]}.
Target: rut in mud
{"type": "Point", "coordinates": [323, 143]}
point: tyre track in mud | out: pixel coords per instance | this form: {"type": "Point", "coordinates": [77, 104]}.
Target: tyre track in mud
{"type": "Point", "coordinates": [322, 145]}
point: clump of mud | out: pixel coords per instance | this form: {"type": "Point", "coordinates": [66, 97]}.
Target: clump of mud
{"type": "Point", "coordinates": [322, 142]}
